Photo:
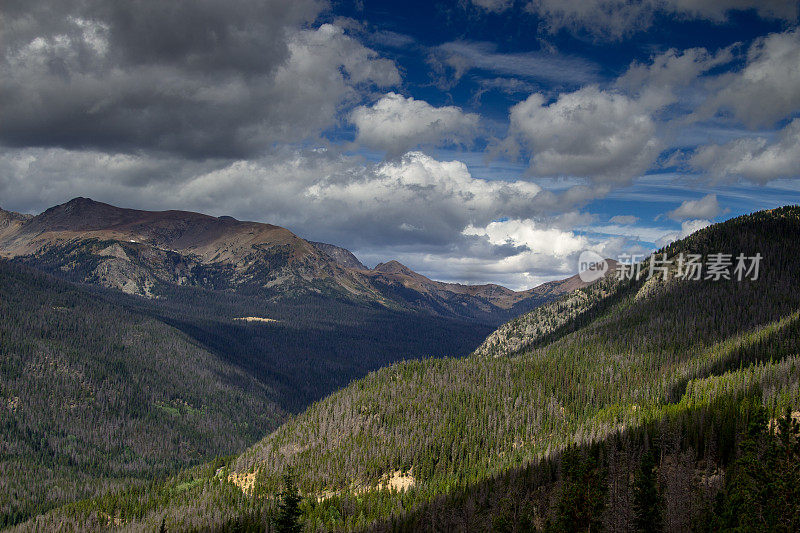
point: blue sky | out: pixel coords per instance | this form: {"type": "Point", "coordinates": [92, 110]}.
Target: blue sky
{"type": "Point", "coordinates": [475, 141]}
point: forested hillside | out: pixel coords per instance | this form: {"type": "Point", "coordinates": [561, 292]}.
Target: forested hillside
{"type": "Point", "coordinates": [657, 376]}
{"type": "Point", "coordinates": [94, 396]}
{"type": "Point", "coordinates": [305, 349]}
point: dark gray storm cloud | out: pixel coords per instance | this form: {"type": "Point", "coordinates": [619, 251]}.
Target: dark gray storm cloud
{"type": "Point", "coordinates": [206, 35]}
{"type": "Point", "coordinates": [198, 78]}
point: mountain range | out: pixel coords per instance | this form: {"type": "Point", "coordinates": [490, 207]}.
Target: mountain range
{"type": "Point", "coordinates": [140, 252]}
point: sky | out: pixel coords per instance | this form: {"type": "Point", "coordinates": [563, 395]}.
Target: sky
{"type": "Point", "coordinates": [474, 141]}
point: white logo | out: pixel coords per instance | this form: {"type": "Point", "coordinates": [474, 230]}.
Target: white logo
{"type": "Point", "coordinates": [591, 266]}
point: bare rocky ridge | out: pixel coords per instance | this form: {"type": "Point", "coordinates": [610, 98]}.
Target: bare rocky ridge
{"type": "Point", "coordinates": [342, 256]}
{"type": "Point", "coordinates": [524, 331]}
{"type": "Point", "coordinates": [10, 222]}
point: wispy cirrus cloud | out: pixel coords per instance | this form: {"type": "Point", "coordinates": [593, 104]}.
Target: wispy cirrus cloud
{"type": "Point", "coordinates": [618, 19]}
{"type": "Point", "coordinates": [625, 220]}
{"type": "Point", "coordinates": [456, 58]}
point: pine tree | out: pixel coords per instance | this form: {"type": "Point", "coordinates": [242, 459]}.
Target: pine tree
{"type": "Point", "coordinates": [288, 520]}
{"type": "Point", "coordinates": [785, 475]}
{"type": "Point", "coordinates": [747, 478]}
{"type": "Point", "coordinates": [646, 502]}
{"type": "Point", "coordinates": [582, 496]}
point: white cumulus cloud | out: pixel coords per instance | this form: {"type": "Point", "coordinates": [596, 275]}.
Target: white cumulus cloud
{"type": "Point", "coordinates": [543, 240]}
{"type": "Point", "coordinates": [396, 124]}
{"type": "Point", "coordinates": [753, 158]}
{"type": "Point", "coordinates": [544, 246]}
{"type": "Point", "coordinates": [705, 207]}
{"type": "Point", "coordinates": [767, 89]}
{"type": "Point", "coordinates": [593, 133]}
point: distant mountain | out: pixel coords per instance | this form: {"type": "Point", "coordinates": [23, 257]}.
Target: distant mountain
{"type": "Point", "coordinates": [139, 251]}
{"type": "Point", "coordinates": [142, 252]}
{"type": "Point", "coordinates": [396, 280]}
{"type": "Point", "coordinates": [643, 384]}
{"type": "Point", "coordinates": [321, 319]}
